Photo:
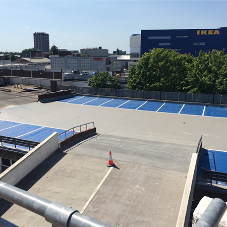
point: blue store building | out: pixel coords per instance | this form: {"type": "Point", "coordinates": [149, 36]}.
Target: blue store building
{"type": "Point", "coordinates": [185, 40]}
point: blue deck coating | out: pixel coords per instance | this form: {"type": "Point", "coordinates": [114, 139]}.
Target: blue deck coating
{"type": "Point", "coordinates": [19, 130]}
{"type": "Point", "coordinates": [192, 109]}
{"type": "Point", "coordinates": [71, 99]}
{"type": "Point", "coordinates": [29, 132]}
{"type": "Point", "coordinates": [82, 100]}
{"type": "Point", "coordinates": [212, 160]}
{"type": "Point", "coordinates": [115, 103]}
{"type": "Point", "coordinates": [98, 102]}
{"type": "Point", "coordinates": [215, 111]}
{"type": "Point", "coordinates": [132, 104]}
{"type": "Point", "coordinates": [7, 124]}
{"type": "Point", "coordinates": [189, 109]}
{"type": "Point", "coordinates": [151, 106]}
{"type": "Point", "coordinates": [171, 108]}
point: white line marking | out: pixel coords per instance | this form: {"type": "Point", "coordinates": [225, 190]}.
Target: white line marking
{"type": "Point", "coordinates": [204, 110]}
{"type": "Point", "coordinates": [30, 132]}
{"type": "Point", "coordinates": [88, 101]}
{"type": "Point", "coordinates": [106, 102]}
{"type": "Point", "coordinates": [11, 127]}
{"type": "Point", "coordinates": [160, 107]}
{"type": "Point", "coordinates": [181, 109]}
{"type": "Point", "coordinates": [122, 104]}
{"type": "Point", "coordinates": [141, 105]}
{"type": "Point", "coordinates": [74, 99]}
{"type": "Point", "coordinates": [93, 194]}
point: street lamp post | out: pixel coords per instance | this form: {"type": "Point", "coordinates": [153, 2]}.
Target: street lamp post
{"type": "Point", "coordinates": [30, 63]}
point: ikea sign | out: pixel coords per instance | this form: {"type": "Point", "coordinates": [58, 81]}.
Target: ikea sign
{"type": "Point", "coordinates": [208, 32]}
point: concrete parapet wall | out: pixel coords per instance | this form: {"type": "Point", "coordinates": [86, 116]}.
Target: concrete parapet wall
{"type": "Point", "coordinates": [77, 136]}
{"type": "Point", "coordinates": [186, 202]}
{"type": "Point", "coordinates": [30, 161]}
{"type": "Point", "coordinates": [54, 95]}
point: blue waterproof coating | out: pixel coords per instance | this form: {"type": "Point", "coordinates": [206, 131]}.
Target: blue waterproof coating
{"type": "Point", "coordinates": [151, 106]}
{"type": "Point", "coordinates": [71, 99]}
{"type": "Point", "coordinates": [7, 124]}
{"type": "Point", "coordinates": [171, 108]}
{"type": "Point", "coordinates": [82, 100]}
{"type": "Point", "coordinates": [132, 104]}
{"type": "Point", "coordinates": [192, 109]}
{"type": "Point", "coordinates": [115, 103]}
{"type": "Point", "coordinates": [215, 111]}
{"type": "Point", "coordinates": [98, 102]}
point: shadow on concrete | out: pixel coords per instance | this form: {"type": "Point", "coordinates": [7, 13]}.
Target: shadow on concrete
{"type": "Point", "coordinates": [34, 176]}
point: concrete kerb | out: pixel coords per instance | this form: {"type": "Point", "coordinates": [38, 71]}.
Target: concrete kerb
{"type": "Point", "coordinates": [20, 169]}
{"type": "Point", "coordinates": [186, 202]}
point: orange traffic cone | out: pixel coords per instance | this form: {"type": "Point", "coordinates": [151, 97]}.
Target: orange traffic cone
{"type": "Point", "coordinates": [110, 162]}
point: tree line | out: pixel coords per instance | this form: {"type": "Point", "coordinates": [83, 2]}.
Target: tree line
{"type": "Point", "coordinates": [168, 70]}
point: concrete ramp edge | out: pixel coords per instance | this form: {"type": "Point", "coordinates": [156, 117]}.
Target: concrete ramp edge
{"type": "Point", "coordinates": [20, 169]}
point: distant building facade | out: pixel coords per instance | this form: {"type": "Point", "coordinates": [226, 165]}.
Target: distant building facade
{"type": "Point", "coordinates": [185, 40]}
{"type": "Point", "coordinates": [41, 41]}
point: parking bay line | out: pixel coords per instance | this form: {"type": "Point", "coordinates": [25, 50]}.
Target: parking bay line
{"type": "Point", "coordinates": [93, 194]}
{"type": "Point", "coordinates": [29, 132]}
{"type": "Point", "coordinates": [181, 109]}
{"type": "Point", "coordinates": [88, 101]}
{"type": "Point", "coordinates": [160, 107]}
{"type": "Point", "coordinates": [123, 104]}
{"type": "Point", "coordinates": [10, 127]}
{"type": "Point", "coordinates": [106, 102]}
{"type": "Point", "coordinates": [141, 105]}
{"type": "Point", "coordinates": [204, 110]}
{"type": "Point", "coordinates": [75, 99]}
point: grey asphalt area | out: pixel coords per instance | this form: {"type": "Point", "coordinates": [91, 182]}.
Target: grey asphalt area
{"type": "Point", "coordinates": [151, 150]}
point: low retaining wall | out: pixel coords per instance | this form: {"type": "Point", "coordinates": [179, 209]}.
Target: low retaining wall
{"type": "Point", "coordinates": [77, 136]}
{"type": "Point", "coordinates": [186, 202]}
{"type": "Point", "coordinates": [155, 95]}
{"type": "Point", "coordinates": [30, 161]}
{"type": "Point", "coordinates": [54, 95]}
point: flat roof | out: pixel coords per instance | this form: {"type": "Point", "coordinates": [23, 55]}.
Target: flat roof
{"type": "Point", "coordinates": [152, 152]}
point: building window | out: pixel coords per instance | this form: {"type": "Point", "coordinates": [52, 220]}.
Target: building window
{"type": "Point", "coordinates": [159, 37]}
{"type": "Point", "coordinates": [199, 44]}
{"type": "Point", "coordinates": [85, 64]}
{"type": "Point", "coordinates": [182, 36]}
{"type": "Point", "coordinates": [164, 44]}
{"type": "Point", "coordinates": [177, 50]}
{"type": "Point", "coordinates": [72, 63]}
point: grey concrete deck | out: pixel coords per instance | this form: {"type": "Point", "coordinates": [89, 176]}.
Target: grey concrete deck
{"type": "Point", "coordinates": [151, 150]}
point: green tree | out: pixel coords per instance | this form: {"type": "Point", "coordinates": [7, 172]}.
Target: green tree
{"type": "Point", "coordinates": [54, 50]}
{"type": "Point", "coordinates": [209, 73]}
{"type": "Point", "coordinates": [6, 56]}
{"type": "Point", "coordinates": [28, 50]}
{"type": "Point", "coordinates": [103, 80]}
{"type": "Point", "coordinates": [160, 70]}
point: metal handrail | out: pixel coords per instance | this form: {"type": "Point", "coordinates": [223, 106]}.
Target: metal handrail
{"type": "Point", "coordinates": [55, 213]}
{"type": "Point", "coordinates": [73, 129]}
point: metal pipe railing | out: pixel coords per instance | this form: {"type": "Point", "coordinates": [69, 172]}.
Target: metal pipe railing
{"type": "Point", "coordinates": [55, 213]}
{"type": "Point", "coordinates": [79, 126]}
{"type": "Point", "coordinates": [213, 214]}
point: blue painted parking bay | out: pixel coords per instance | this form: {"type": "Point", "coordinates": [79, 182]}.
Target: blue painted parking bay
{"type": "Point", "coordinates": [155, 106]}
{"type": "Point", "coordinates": [212, 160]}
{"type": "Point", "coordinates": [29, 132]}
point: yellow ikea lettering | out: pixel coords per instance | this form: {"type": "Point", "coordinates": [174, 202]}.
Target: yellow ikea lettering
{"type": "Point", "coordinates": [210, 32]}
{"type": "Point", "coordinates": [203, 32]}
{"type": "Point", "coordinates": [216, 32]}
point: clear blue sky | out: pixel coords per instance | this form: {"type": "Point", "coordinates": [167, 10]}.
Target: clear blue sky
{"type": "Point", "coordinates": [74, 24]}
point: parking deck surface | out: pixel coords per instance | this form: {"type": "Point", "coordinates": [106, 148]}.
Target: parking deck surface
{"type": "Point", "coordinates": [152, 151]}
{"type": "Point", "coordinates": [176, 108]}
